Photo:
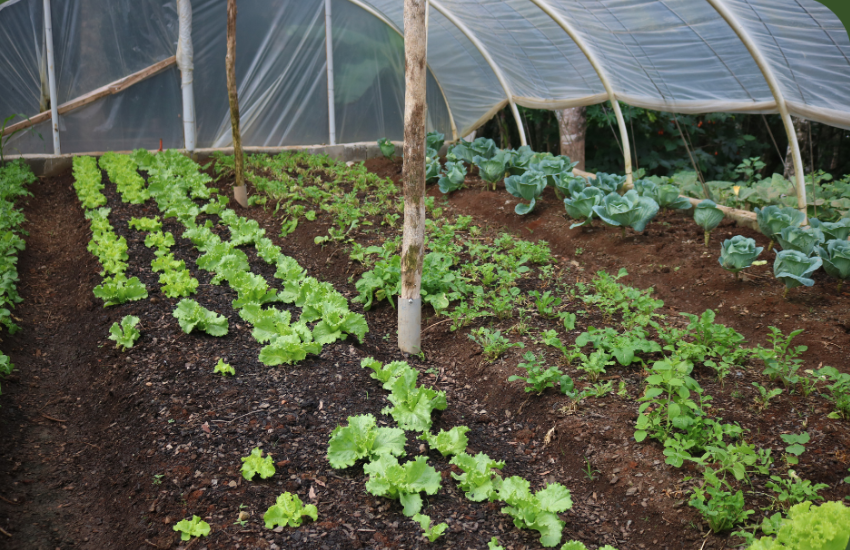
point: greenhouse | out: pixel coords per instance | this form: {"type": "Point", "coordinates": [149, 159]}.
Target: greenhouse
{"type": "Point", "coordinates": [424, 274]}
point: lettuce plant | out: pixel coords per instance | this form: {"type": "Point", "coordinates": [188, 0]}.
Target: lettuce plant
{"type": "Point", "coordinates": [411, 404]}
{"type": "Point", "coordinates": [491, 169]}
{"type": "Point", "coordinates": [255, 464]}
{"type": "Point", "coordinates": [450, 442]}
{"type": "Point", "coordinates": [361, 439]}
{"type": "Point", "coordinates": [453, 178]}
{"type": "Point", "coordinates": [195, 527]}
{"type": "Point", "coordinates": [738, 253]}
{"type": "Point", "coordinates": [386, 374]}
{"type": "Point", "coordinates": [191, 315]}
{"type": "Point", "coordinates": [387, 147]}
{"type": "Point", "coordinates": [794, 268]}
{"type": "Point", "coordinates": [119, 289]}
{"type": "Point", "coordinates": [223, 368]}
{"type": "Point", "coordinates": [125, 334]}
{"type": "Point", "coordinates": [289, 511]}
{"type": "Point", "coordinates": [430, 532]}
{"type": "Point", "coordinates": [839, 230]}
{"type": "Point", "coordinates": [772, 220]}
{"type": "Point", "coordinates": [707, 216]}
{"type": "Point", "coordinates": [478, 479]}
{"type": "Point", "coordinates": [288, 348]}
{"type": "Point", "coordinates": [538, 511]}
{"type": "Point", "coordinates": [666, 195]}
{"type": "Point", "coordinates": [798, 238]}
{"type": "Point", "coordinates": [628, 210]}
{"type": "Point", "coordinates": [388, 478]}
{"type": "Point", "coordinates": [528, 186]}
{"type": "Point", "coordinates": [610, 183]}
{"type": "Point", "coordinates": [807, 527]}
{"type": "Point", "coordinates": [836, 260]}
{"type": "Point", "coordinates": [580, 206]}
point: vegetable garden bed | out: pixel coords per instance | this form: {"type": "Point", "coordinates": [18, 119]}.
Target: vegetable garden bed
{"type": "Point", "coordinates": [106, 447]}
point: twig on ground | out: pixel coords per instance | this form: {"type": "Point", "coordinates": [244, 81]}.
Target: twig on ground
{"type": "Point", "coordinates": [5, 532]}
{"type": "Point", "coordinates": [53, 419]}
{"type": "Point", "coordinates": [4, 499]}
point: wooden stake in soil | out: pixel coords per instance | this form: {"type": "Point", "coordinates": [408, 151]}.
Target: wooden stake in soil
{"type": "Point", "coordinates": [239, 191]}
{"type": "Point", "coordinates": [413, 174]}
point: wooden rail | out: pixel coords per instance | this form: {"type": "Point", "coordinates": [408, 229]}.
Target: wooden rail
{"type": "Point", "coordinates": [110, 89]}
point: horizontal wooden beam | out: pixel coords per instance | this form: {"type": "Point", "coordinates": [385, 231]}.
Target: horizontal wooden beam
{"type": "Point", "coordinates": [110, 89]}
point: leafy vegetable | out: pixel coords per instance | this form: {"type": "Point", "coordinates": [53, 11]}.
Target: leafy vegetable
{"type": "Point", "coordinates": [435, 140]}
{"type": "Point", "coordinates": [387, 147]}
{"type": "Point", "coordinates": [807, 527]}
{"type": "Point", "coordinates": [772, 220]}
{"type": "Point", "coordinates": [125, 334]}
{"type": "Point", "coordinates": [666, 195]}
{"type": "Point", "coordinates": [194, 528]}
{"type": "Point", "coordinates": [338, 321]}
{"type": "Point", "coordinates": [538, 511]}
{"type": "Point", "coordinates": [630, 210]}
{"type": "Point", "coordinates": [431, 533]}
{"type": "Point", "coordinates": [794, 267]}
{"type": "Point", "coordinates": [839, 230]}
{"type": "Point", "coordinates": [361, 439]}
{"type": "Point", "coordinates": [609, 183]}
{"type": "Point", "coordinates": [477, 480]}
{"type": "Point", "coordinates": [88, 182]}
{"type": "Point", "coordinates": [453, 178]}
{"type": "Point", "coordinates": [289, 348]}
{"type": "Point", "coordinates": [721, 509]}
{"type": "Point", "coordinates": [118, 289]}
{"type": "Point", "coordinates": [387, 374]}
{"type": "Point", "coordinates": [552, 168]}
{"type": "Point", "coordinates": [146, 224]}
{"type": "Point", "coordinates": [412, 405]}
{"type": "Point", "coordinates": [707, 216]}
{"type": "Point", "coordinates": [491, 169]}
{"type": "Point", "coordinates": [289, 511]}
{"type": "Point", "coordinates": [528, 186]}
{"type": "Point", "coordinates": [836, 259]}
{"type": "Point", "coordinates": [538, 377]}
{"type": "Point", "coordinates": [255, 464]}
{"type": "Point", "coordinates": [738, 253]}
{"type": "Point", "coordinates": [800, 239]}
{"type": "Point", "coordinates": [191, 315]}
{"type": "Point", "coordinates": [388, 478]}
{"type": "Point", "coordinates": [223, 368]}
{"type": "Point", "coordinates": [568, 184]}
{"type": "Point", "coordinates": [450, 442]}
{"type": "Point", "coordinates": [581, 205]}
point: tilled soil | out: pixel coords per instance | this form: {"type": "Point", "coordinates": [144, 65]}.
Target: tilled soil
{"type": "Point", "coordinates": [109, 450]}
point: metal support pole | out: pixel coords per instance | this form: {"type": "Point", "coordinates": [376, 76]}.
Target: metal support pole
{"type": "Point", "coordinates": [329, 52]}
{"type": "Point", "coordinates": [185, 61]}
{"type": "Point", "coordinates": [51, 77]}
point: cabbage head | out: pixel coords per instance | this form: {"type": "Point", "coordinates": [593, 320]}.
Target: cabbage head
{"type": "Point", "coordinates": [491, 169]}
{"type": "Point", "coordinates": [435, 140]}
{"type": "Point", "coordinates": [528, 186]}
{"type": "Point", "coordinates": [553, 167]}
{"type": "Point", "coordinates": [666, 195]}
{"type": "Point", "coordinates": [580, 206]}
{"type": "Point", "coordinates": [794, 268]}
{"type": "Point", "coordinates": [520, 160]}
{"type": "Point", "coordinates": [798, 238]}
{"type": "Point", "coordinates": [707, 216]}
{"type": "Point", "coordinates": [387, 147]}
{"type": "Point", "coordinates": [568, 184]}
{"type": "Point", "coordinates": [738, 253]}
{"type": "Point", "coordinates": [610, 183]}
{"type": "Point", "coordinates": [833, 230]}
{"type": "Point", "coordinates": [484, 147]}
{"type": "Point", "coordinates": [460, 153]}
{"type": "Point", "coordinates": [772, 220]}
{"type": "Point", "coordinates": [836, 259]}
{"type": "Point", "coordinates": [629, 210]}
{"type": "Point", "coordinates": [453, 178]}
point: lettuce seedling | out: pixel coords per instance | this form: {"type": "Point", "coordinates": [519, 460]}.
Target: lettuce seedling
{"type": "Point", "coordinates": [738, 253]}
{"type": "Point", "coordinates": [387, 147]}
{"type": "Point", "coordinates": [538, 511]}
{"type": "Point", "coordinates": [289, 511]}
{"type": "Point", "coordinates": [708, 216]}
{"type": "Point", "coordinates": [800, 239]}
{"type": "Point", "coordinates": [191, 315]}
{"type": "Point", "coordinates": [808, 527]}
{"type": "Point", "coordinates": [255, 464]}
{"type": "Point", "coordinates": [386, 374]}
{"type": "Point", "coordinates": [119, 289]}
{"type": "Point", "coordinates": [412, 404]}
{"type": "Point", "coordinates": [224, 369]}
{"type": "Point", "coordinates": [338, 322]}
{"type": "Point", "coordinates": [478, 479]}
{"type": "Point", "coordinates": [528, 186]}
{"type": "Point", "coordinates": [125, 334]}
{"type": "Point", "coordinates": [361, 439]}
{"type": "Point", "coordinates": [794, 267]}
{"type": "Point", "coordinates": [432, 533]}
{"type": "Point", "coordinates": [453, 178]}
{"type": "Point", "coordinates": [629, 210]}
{"type": "Point", "coordinates": [494, 544]}
{"type": "Point", "coordinates": [288, 349]}
{"type": "Point", "coordinates": [772, 220]}
{"type": "Point", "coordinates": [580, 206]}
{"type": "Point", "coordinates": [388, 478]}
{"type": "Point", "coordinates": [178, 283]}
{"type": "Point", "coordinates": [450, 442]}
{"type": "Point", "coordinates": [194, 528]}
{"type": "Point", "coordinates": [839, 230]}
{"type": "Point", "coordinates": [836, 260]}
{"type": "Point", "coordinates": [146, 224]}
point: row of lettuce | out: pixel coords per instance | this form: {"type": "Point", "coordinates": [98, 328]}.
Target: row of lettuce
{"type": "Point", "coordinates": [526, 174]}
{"type": "Point", "coordinates": [14, 179]}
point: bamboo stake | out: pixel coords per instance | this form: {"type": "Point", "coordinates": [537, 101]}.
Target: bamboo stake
{"type": "Point", "coordinates": [413, 241]}
{"type": "Point", "coordinates": [239, 191]}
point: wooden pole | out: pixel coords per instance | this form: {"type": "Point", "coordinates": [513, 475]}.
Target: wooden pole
{"type": "Point", "coordinates": [413, 174]}
{"type": "Point", "coordinates": [239, 191]}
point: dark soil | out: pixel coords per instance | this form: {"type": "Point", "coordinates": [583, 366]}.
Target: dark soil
{"type": "Point", "coordinates": [86, 431]}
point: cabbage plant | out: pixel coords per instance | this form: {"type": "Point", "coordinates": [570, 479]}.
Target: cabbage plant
{"type": "Point", "coordinates": [432, 166]}
{"type": "Point", "coordinates": [460, 152]}
{"type": "Point", "coordinates": [435, 140]}
{"type": "Point", "coordinates": [528, 186]}
{"type": "Point", "coordinates": [793, 268]}
{"type": "Point", "coordinates": [520, 160]}
{"type": "Point", "coordinates": [568, 184]}
{"type": "Point", "coordinates": [667, 196]}
{"type": "Point", "coordinates": [836, 259]}
{"type": "Point", "coordinates": [738, 253]}
{"type": "Point", "coordinates": [630, 210]}
{"type": "Point", "coordinates": [387, 147]}
{"type": "Point", "coordinates": [832, 230]}
{"type": "Point", "coordinates": [707, 216]}
{"type": "Point", "coordinates": [610, 183]}
{"type": "Point", "coordinates": [484, 147]}
{"type": "Point", "coordinates": [553, 167]}
{"type": "Point", "coordinates": [580, 206]}
{"type": "Point", "coordinates": [797, 238]}
{"type": "Point", "coordinates": [772, 220]}
{"type": "Point", "coordinates": [453, 178]}
{"type": "Point", "coordinates": [492, 169]}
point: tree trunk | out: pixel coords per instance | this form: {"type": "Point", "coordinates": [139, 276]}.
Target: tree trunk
{"type": "Point", "coordinates": [572, 126]}
{"type": "Point", "coordinates": [239, 191]}
{"type": "Point", "coordinates": [413, 174]}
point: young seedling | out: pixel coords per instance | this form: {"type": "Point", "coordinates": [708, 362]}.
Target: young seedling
{"type": "Point", "coordinates": [538, 378]}
{"type": "Point", "coordinates": [765, 395]}
{"type": "Point", "coordinates": [224, 369]}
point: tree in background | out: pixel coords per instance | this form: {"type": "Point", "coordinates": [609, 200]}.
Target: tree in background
{"type": "Point", "coordinates": [572, 129]}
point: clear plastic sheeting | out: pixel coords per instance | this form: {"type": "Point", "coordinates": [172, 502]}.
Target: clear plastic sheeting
{"type": "Point", "coordinates": [687, 56]}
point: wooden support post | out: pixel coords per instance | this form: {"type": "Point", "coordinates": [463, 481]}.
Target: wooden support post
{"type": "Point", "coordinates": [413, 174]}
{"type": "Point", "coordinates": [239, 191]}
